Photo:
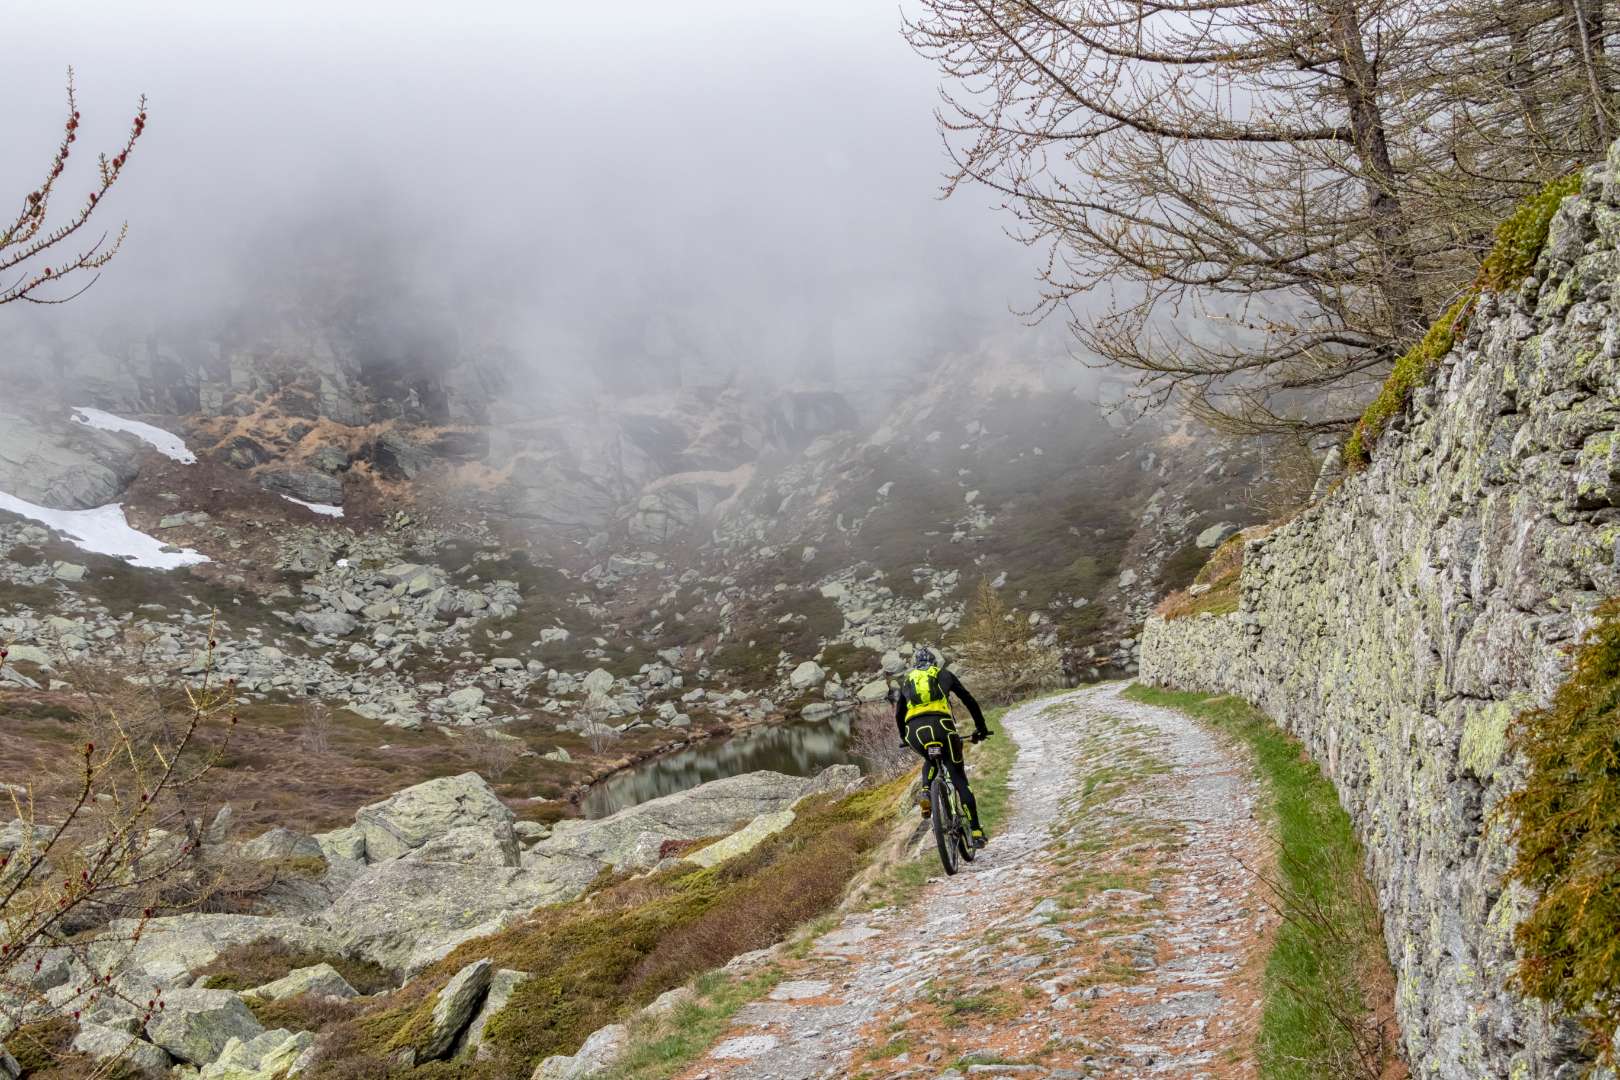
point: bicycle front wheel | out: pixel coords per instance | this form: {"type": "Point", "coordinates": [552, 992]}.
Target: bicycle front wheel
{"type": "Point", "coordinates": [944, 816]}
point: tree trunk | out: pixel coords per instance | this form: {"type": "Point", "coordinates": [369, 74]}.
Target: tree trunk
{"type": "Point", "coordinates": [1359, 77]}
{"type": "Point", "coordinates": [1584, 19]}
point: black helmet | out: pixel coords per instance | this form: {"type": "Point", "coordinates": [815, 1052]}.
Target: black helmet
{"type": "Point", "coordinates": [925, 658]}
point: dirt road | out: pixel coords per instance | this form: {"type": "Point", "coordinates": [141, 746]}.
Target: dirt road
{"type": "Point", "coordinates": [1113, 929]}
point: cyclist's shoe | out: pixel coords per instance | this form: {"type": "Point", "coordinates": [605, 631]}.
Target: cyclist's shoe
{"type": "Point", "coordinates": [919, 795]}
{"type": "Point", "coordinates": [979, 839]}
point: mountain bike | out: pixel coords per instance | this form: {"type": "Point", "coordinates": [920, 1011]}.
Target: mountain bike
{"type": "Point", "coordinates": [953, 829]}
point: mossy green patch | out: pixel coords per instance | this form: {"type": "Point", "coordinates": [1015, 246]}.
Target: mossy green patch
{"type": "Point", "coordinates": [1519, 241]}
{"type": "Point", "coordinates": [1566, 828]}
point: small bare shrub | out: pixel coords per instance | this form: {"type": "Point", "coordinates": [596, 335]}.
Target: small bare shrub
{"type": "Point", "coordinates": [876, 741]}
{"type": "Point", "coordinates": [494, 754]}
{"type": "Point", "coordinates": [315, 727]}
{"type": "Point", "coordinates": [104, 839]}
{"type": "Point", "coordinates": [997, 650]}
{"type": "Point", "coordinates": [599, 735]}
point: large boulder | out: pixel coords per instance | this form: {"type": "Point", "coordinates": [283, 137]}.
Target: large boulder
{"type": "Point", "coordinates": [133, 1056]}
{"type": "Point", "coordinates": [456, 1005]}
{"type": "Point", "coordinates": [472, 845]}
{"type": "Point", "coordinates": [398, 457]}
{"type": "Point", "coordinates": [410, 818]}
{"type": "Point", "coordinates": [502, 985]}
{"type": "Point", "coordinates": [634, 837]}
{"type": "Point", "coordinates": [334, 624]}
{"type": "Point", "coordinates": [406, 914]}
{"type": "Point", "coordinates": [195, 1025]}
{"type": "Point", "coordinates": [62, 465]}
{"type": "Point", "coordinates": [807, 676]}
{"type": "Point", "coordinates": [173, 946]}
{"type": "Point", "coordinates": [271, 1055]}
{"type": "Point", "coordinates": [744, 840]}
{"type": "Point", "coordinates": [278, 843]}
{"type": "Point", "coordinates": [306, 485]}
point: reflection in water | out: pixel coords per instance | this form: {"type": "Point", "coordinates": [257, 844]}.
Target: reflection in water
{"type": "Point", "coordinates": [798, 749]}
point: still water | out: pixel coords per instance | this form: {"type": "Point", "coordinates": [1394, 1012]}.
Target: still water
{"type": "Point", "coordinates": [798, 749]}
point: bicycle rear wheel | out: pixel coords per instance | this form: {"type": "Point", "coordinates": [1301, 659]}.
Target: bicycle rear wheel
{"type": "Point", "coordinates": [944, 817]}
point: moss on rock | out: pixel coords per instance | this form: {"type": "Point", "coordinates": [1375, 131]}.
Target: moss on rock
{"type": "Point", "coordinates": [1519, 241]}
{"type": "Point", "coordinates": [1566, 820]}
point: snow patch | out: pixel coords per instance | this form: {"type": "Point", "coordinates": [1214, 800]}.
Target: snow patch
{"type": "Point", "coordinates": [319, 508]}
{"type": "Point", "coordinates": [105, 531]}
{"type": "Point", "coordinates": [166, 443]}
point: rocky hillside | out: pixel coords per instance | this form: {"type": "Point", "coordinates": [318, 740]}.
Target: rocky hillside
{"type": "Point", "coordinates": [1401, 623]}
{"type": "Point", "coordinates": [596, 577]}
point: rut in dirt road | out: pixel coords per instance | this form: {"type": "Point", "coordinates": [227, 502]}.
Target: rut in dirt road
{"type": "Point", "coordinates": [1111, 930]}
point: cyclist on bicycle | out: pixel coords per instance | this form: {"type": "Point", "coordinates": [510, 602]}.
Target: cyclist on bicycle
{"type": "Point", "coordinates": [922, 712]}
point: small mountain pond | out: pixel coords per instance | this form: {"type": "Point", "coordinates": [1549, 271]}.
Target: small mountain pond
{"type": "Point", "coordinates": [799, 748]}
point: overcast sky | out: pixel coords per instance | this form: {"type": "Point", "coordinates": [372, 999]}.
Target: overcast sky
{"type": "Point", "coordinates": [752, 180]}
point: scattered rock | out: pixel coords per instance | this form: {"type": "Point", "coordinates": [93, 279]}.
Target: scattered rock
{"type": "Point", "coordinates": [323, 980]}
{"type": "Point", "coordinates": [272, 1055]}
{"type": "Point", "coordinates": [195, 1025]}
{"type": "Point", "coordinates": [598, 1055]}
{"type": "Point", "coordinates": [457, 1003]}
{"type": "Point", "coordinates": [108, 1044]}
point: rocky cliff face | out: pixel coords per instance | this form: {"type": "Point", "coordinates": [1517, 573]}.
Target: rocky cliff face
{"type": "Point", "coordinates": [1400, 623]}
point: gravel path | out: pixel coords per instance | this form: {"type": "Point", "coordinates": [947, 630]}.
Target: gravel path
{"type": "Point", "coordinates": [1111, 929]}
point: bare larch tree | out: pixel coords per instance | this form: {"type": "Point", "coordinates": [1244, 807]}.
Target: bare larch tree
{"type": "Point", "coordinates": [1259, 204]}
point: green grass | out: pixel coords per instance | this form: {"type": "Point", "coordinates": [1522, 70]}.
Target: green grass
{"type": "Point", "coordinates": [1327, 978]}
{"type": "Point", "coordinates": [658, 1051]}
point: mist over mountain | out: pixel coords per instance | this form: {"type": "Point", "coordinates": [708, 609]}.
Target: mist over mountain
{"type": "Point", "coordinates": [629, 194]}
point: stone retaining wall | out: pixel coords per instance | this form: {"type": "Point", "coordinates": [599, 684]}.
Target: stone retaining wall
{"type": "Point", "coordinates": [1399, 624]}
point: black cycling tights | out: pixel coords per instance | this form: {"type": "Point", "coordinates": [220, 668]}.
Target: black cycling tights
{"type": "Point", "coordinates": [922, 730]}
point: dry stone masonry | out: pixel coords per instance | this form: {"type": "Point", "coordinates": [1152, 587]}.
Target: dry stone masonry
{"type": "Point", "coordinates": [1399, 624]}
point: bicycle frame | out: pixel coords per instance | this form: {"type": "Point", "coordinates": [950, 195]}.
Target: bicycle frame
{"type": "Point", "coordinates": [952, 829]}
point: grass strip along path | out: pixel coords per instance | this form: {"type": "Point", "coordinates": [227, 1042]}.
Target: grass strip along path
{"type": "Point", "coordinates": [1328, 1005]}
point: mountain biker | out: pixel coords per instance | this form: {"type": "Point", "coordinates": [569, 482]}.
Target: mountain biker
{"type": "Point", "coordinates": [922, 712]}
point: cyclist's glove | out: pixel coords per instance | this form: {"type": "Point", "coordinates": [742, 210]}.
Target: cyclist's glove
{"type": "Point", "coordinates": [981, 734]}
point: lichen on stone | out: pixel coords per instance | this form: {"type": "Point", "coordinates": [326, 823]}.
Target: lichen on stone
{"type": "Point", "coordinates": [1519, 241]}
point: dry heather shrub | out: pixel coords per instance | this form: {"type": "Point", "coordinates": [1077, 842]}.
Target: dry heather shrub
{"type": "Point", "coordinates": [106, 832]}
